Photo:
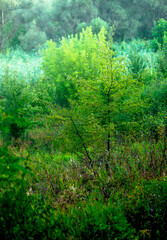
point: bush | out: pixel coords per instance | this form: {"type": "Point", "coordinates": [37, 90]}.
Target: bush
{"type": "Point", "coordinates": [23, 216]}
{"type": "Point", "coordinates": [146, 209]}
{"type": "Point", "coordinates": [93, 221]}
{"type": "Point", "coordinates": [64, 64]}
{"type": "Point", "coordinates": [158, 33]}
{"type": "Point", "coordinates": [16, 101]}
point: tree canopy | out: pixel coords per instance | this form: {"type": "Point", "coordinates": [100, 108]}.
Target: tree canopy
{"type": "Point", "coordinates": [35, 21]}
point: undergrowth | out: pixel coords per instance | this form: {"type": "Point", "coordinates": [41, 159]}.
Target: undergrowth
{"type": "Point", "coordinates": [62, 198]}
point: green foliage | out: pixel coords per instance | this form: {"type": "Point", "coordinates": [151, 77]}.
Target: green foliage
{"type": "Point", "coordinates": [67, 200]}
{"type": "Point", "coordinates": [158, 32]}
{"type": "Point", "coordinates": [93, 221]}
{"type": "Point", "coordinates": [163, 57]}
{"type": "Point", "coordinates": [95, 206]}
{"type": "Point", "coordinates": [138, 64]}
{"type": "Point", "coordinates": [26, 65]}
{"type": "Point", "coordinates": [68, 15]}
{"type": "Point", "coordinates": [97, 24]}
{"type": "Point", "coordinates": [96, 128]}
{"type": "Point", "coordinates": [16, 102]}
{"type": "Point", "coordinates": [33, 39]}
{"type": "Point", "coordinates": [84, 75]}
{"type": "Point", "coordinates": [61, 64]}
{"type": "Point", "coordinates": [10, 166]}
{"type": "Point", "coordinates": [160, 95]}
{"type": "Point", "coordinates": [23, 216]}
{"type": "Point", "coordinates": [55, 19]}
{"type": "Point", "coordinates": [12, 23]}
{"type": "Point", "coordinates": [81, 26]}
{"type": "Point", "coordinates": [146, 211]}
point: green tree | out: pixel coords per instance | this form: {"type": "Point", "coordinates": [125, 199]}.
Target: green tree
{"type": "Point", "coordinates": [92, 88]}
{"type": "Point", "coordinates": [97, 24]}
{"type": "Point", "coordinates": [64, 60]}
{"type": "Point", "coordinates": [159, 32]}
{"type": "Point", "coordinates": [16, 102]}
{"type": "Point", "coordinates": [67, 15]}
{"type": "Point", "coordinates": [11, 21]}
{"type": "Point", "coordinates": [149, 12]}
{"type": "Point", "coordinates": [33, 38]}
{"type": "Point", "coordinates": [5, 10]}
{"type": "Point", "coordinates": [114, 14]}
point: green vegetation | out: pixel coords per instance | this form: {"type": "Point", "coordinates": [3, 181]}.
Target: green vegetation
{"type": "Point", "coordinates": [83, 128]}
{"type": "Point", "coordinates": [27, 66]}
{"type": "Point", "coordinates": [28, 23]}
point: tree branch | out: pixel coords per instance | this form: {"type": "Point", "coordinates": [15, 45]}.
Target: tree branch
{"type": "Point", "coordinates": [82, 142]}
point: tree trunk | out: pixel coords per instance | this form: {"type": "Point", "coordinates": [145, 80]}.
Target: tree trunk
{"type": "Point", "coordinates": [83, 144]}
{"type": "Point", "coordinates": [109, 136]}
{"type": "Point", "coordinates": [3, 27]}
{"type": "Point", "coordinates": [164, 156]}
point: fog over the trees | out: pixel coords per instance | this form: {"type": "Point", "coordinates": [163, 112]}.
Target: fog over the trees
{"type": "Point", "coordinates": [29, 23]}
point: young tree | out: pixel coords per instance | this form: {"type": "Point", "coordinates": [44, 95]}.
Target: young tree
{"type": "Point", "coordinates": [16, 102]}
{"type": "Point", "coordinates": [91, 89]}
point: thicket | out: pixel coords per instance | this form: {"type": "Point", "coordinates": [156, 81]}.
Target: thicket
{"type": "Point", "coordinates": [83, 145]}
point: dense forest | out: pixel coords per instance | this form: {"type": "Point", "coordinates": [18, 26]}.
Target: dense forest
{"type": "Point", "coordinates": [83, 119]}
{"type": "Point", "coordinates": [29, 23]}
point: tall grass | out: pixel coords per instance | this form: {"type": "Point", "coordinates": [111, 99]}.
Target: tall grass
{"type": "Point", "coordinates": [27, 65]}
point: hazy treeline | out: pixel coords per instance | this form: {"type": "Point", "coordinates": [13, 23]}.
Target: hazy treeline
{"type": "Point", "coordinates": [29, 23]}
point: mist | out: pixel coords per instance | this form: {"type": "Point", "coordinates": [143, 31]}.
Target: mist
{"type": "Point", "coordinates": [37, 21]}
{"type": "Point", "coordinates": [47, 3]}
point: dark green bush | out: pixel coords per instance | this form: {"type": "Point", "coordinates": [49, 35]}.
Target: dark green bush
{"type": "Point", "coordinates": [158, 32]}
{"type": "Point", "coordinates": [18, 103]}
{"type": "Point", "coordinates": [23, 216]}
{"type": "Point", "coordinates": [146, 209]}
{"type": "Point", "coordinates": [93, 221]}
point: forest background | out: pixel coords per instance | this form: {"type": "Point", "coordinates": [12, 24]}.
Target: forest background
{"type": "Point", "coordinates": [30, 23]}
{"type": "Point", "coordinates": [83, 119]}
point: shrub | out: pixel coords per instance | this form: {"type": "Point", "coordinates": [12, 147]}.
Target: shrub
{"type": "Point", "coordinates": [146, 209]}
{"type": "Point", "coordinates": [16, 103]}
{"type": "Point", "coordinates": [158, 33]}
{"type": "Point", "coordinates": [93, 221]}
{"type": "Point", "coordinates": [64, 64]}
{"type": "Point", "coordinates": [23, 216]}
